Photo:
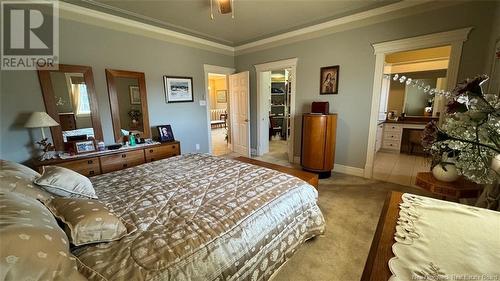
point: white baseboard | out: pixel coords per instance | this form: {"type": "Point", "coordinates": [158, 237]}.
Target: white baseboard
{"type": "Point", "coordinates": [353, 171]}
{"type": "Point", "coordinates": [338, 168]}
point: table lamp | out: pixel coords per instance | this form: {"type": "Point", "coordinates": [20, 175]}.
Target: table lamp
{"type": "Point", "coordinates": [42, 120]}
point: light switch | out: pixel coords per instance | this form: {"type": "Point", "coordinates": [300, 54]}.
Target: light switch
{"type": "Point", "coordinates": [203, 103]}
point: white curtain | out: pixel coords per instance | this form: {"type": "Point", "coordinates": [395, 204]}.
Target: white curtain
{"type": "Point", "coordinates": [75, 98]}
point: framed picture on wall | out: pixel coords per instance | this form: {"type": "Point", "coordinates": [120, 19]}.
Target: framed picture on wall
{"type": "Point", "coordinates": [221, 96]}
{"type": "Point", "coordinates": [135, 95]}
{"type": "Point", "coordinates": [165, 133]}
{"type": "Point", "coordinates": [178, 89]}
{"type": "Point", "coordinates": [329, 80]}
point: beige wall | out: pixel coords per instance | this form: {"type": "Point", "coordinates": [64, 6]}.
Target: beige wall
{"type": "Point", "coordinates": [217, 84]}
{"type": "Point", "coordinates": [418, 55]}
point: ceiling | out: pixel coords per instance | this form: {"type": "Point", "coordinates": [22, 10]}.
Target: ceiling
{"type": "Point", "coordinates": [254, 19]}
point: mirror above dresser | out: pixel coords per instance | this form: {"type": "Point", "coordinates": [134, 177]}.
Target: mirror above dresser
{"type": "Point", "coordinates": [70, 99]}
{"type": "Point", "coordinates": [129, 106]}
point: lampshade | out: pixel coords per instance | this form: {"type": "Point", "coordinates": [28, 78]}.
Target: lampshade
{"type": "Point", "coordinates": [40, 120]}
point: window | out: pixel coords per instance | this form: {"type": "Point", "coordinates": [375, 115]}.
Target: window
{"type": "Point", "coordinates": [81, 99]}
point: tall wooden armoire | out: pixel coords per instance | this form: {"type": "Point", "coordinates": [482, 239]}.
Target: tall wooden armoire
{"type": "Point", "coordinates": [318, 143]}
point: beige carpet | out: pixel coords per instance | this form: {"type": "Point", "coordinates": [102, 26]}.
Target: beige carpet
{"type": "Point", "coordinates": [351, 206]}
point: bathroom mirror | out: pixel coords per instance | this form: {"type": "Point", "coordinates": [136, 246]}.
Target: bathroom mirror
{"type": "Point", "coordinates": [70, 99]}
{"type": "Point", "coordinates": [129, 106]}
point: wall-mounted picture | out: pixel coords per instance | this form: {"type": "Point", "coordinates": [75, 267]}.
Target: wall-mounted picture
{"type": "Point", "coordinates": [165, 133]}
{"type": "Point", "coordinates": [84, 146]}
{"type": "Point", "coordinates": [221, 96]}
{"type": "Point", "coordinates": [329, 83]}
{"type": "Point", "coordinates": [135, 95]}
{"type": "Point", "coordinates": [178, 89]}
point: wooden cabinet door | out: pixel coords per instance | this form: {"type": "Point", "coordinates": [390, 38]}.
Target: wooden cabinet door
{"type": "Point", "coordinates": [313, 141]}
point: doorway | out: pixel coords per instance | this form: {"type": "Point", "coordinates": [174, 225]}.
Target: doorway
{"type": "Point", "coordinates": [276, 110]}
{"type": "Point", "coordinates": [276, 93]}
{"type": "Point", "coordinates": [405, 108]}
{"type": "Point", "coordinates": [219, 113]}
{"type": "Point", "coordinates": [386, 132]}
{"type": "Point", "coordinates": [227, 101]}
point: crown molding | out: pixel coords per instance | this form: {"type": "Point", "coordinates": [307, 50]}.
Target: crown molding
{"type": "Point", "coordinates": [82, 14]}
{"type": "Point", "coordinates": [444, 38]}
{"type": "Point", "coordinates": [396, 10]}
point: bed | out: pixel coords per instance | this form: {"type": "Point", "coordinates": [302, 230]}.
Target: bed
{"type": "Point", "coordinates": [200, 217]}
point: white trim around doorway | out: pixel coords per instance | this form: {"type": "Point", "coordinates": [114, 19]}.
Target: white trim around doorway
{"type": "Point", "coordinates": [214, 69]}
{"type": "Point", "coordinates": [290, 64]}
{"type": "Point", "coordinates": [454, 38]}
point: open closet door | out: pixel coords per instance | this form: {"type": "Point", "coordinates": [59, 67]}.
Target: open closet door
{"type": "Point", "coordinates": [239, 97]}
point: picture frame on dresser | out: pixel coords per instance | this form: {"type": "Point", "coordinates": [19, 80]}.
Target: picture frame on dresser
{"type": "Point", "coordinates": [84, 146]}
{"type": "Point", "coordinates": [165, 133]}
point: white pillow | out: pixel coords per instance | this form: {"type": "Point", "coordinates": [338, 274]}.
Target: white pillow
{"type": "Point", "coordinates": [66, 183]}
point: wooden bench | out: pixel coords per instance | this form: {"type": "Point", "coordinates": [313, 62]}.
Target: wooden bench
{"type": "Point", "coordinates": [308, 177]}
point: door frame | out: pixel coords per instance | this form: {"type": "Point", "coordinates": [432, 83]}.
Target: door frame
{"type": "Point", "coordinates": [215, 69]}
{"type": "Point", "coordinates": [270, 66]}
{"type": "Point", "coordinates": [454, 38]}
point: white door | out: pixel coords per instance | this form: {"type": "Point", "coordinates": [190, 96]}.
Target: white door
{"type": "Point", "coordinates": [384, 98]}
{"type": "Point", "coordinates": [239, 96]}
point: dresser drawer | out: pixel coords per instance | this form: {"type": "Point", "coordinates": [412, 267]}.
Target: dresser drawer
{"type": "Point", "coordinates": [392, 135]}
{"type": "Point", "coordinates": [87, 167]}
{"type": "Point", "coordinates": [161, 152]}
{"type": "Point", "coordinates": [121, 161]}
{"type": "Point", "coordinates": [392, 145]}
{"type": "Point", "coordinates": [393, 128]}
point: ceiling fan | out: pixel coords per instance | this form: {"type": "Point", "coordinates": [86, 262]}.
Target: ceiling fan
{"type": "Point", "coordinates": [225, 7]}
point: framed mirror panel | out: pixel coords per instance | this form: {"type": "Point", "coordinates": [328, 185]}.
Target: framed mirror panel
{"type": "Point", "coordinates": [70, 99]}
{"type": "Point", "coordinates": [128, 101]}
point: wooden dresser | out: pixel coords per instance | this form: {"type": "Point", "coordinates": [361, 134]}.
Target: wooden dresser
{"type": "Point", "coordinates": [318, 143]}
{"type": "Point", "coordinates": [113, 160]}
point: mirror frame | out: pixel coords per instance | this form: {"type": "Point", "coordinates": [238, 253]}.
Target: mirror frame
{"type": "Point", "coordinates": [111, 75]}
{"type": "Point", "coordinates": [50, 101]}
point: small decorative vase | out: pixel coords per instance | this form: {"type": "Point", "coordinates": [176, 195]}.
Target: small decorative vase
{"type": "Point", "coordinates": [448, 174]}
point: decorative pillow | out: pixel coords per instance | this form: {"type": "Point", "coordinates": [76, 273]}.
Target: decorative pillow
{"type": "Point", "coordinates": [88, 221]}
{"type": "Point", "coordinates": [65, 182]}
{"type": "Point", "coordinates": [18, 178]}
{"type": "Point", "coordinates": [33, 246]}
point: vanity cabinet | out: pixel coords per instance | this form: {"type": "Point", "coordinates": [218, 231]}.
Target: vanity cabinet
{"type": "Point", "coordinates": [392, 137]}
{"type": "Point", "coordinates": [93, 164]}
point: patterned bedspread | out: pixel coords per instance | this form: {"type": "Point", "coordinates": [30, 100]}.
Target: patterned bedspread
{"type": "Point", "coordinates": [201, 217]}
